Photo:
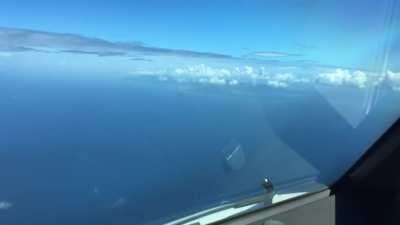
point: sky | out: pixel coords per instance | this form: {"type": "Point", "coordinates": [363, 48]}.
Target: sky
{"type": "Point", "coordinates": [354, 34]}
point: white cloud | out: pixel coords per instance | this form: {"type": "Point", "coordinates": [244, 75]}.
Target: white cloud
{"type": "Point", "coordinates": [285, 77]}
{"type": "Point", "coordinates": [280, 80]}
{"type": "Point", "coordinates": [395, 77]}
{"type": "Point", "coordinates": [359, 79]}
{"type": "Point", "coordinates": [249, 71]}
{"type": "Point", "coordinates": [277, 84]}
{"type": "Point", "coordinates": [233, 76]}
{"type": "Point", "coordinates": [4, 205]}
{"type": "Point", "coordinates": [276, 77]}
{"type": "Point", "coordinates": [394, 80]}
{"type": "Point", "coordinates": [344, 77]}
{"type": "Point", "coordinates": [202, 74]}
{"type": "Point", "coordinates": [218, 81]}
{"type": "Point", "coordinates": [203, 70]}
{"type": "Point", "coordinates": [270, 54]}
{"type": "Point", "coordinates": [337, 77]}
{"type": "Point", "coordinates": [233, 82]}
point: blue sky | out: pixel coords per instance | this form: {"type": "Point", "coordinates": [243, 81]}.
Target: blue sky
{"type": "Point", "coordinates": [349, 34]}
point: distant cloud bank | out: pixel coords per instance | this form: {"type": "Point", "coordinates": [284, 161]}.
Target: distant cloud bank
{"type": "Point", "coordinates": [232, 76]}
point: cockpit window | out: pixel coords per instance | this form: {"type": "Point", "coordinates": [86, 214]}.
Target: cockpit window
{"type": "Point", "coordinates": [177, 112]}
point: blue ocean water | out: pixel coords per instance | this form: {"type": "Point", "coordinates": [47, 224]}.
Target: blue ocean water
{"type": "Point", "coordinates": [137, 151]}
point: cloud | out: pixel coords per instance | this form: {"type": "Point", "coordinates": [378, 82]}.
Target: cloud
{"type": "Point", "coordinates": [394, 77]}
{"type": "Point", "coordinates": [233, 82]}
{"type": "Point", "coordinates": [104, 53]}
{"type": "Point", "coordinates": [269, 54]}
{"type": "Point", "coordinates": [277, 84]}
{"type": "Point", "coordinates": [232, 76]}
{"type": "Point", "coordinates": [359, 79]}
{"type": "Point", "coordinates": [9, 48]}
{"type": "Point", "coordinates": [141, 59]}
{"type": "Point", "coordinates": [22, 40]}
{"type": "Point", "coordinates": [272, 77]}
{"type": "Point", "coordinates": [202, 70]}
{"type": "Point", "coordinates": [281, 80]}
{"type": "Point", "coordinates": [344, 77]}
{"type": "Point", "coordinates": [394, 80]}
{"type": "Point", "coordinates": [4, 205]}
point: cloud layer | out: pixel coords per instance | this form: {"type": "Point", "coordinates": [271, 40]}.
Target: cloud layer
{"type": "Point", "coordinates": [341, 77]}
{"type": "Point", "coordinates": [273, 77]}
{"type": "Point", "coordinates": [22, 40]}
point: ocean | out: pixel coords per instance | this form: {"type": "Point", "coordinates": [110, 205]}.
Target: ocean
{"type": "Point", "coordinates": [134, 150]}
